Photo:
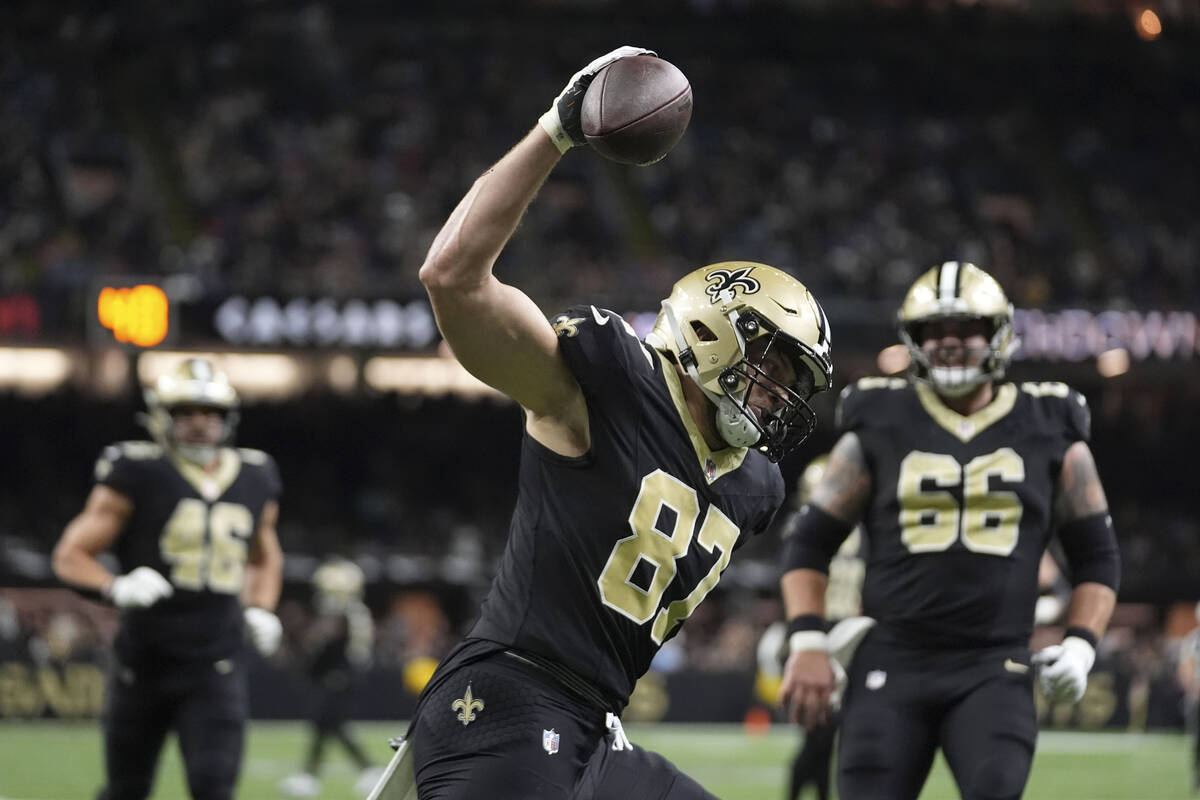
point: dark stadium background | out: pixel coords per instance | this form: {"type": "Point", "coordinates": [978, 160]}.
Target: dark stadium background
{"type": "Point", "coordinates": [279, 169]}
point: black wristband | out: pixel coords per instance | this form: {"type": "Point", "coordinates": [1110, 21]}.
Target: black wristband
{"type": "Point", "coordinates": [1080, 632]}
{"type": "Point", "coordinates": [806, 622]}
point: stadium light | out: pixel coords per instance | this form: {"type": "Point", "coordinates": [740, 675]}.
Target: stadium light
{"type": "Point", "coordinates": [424, 376]}
{"type": "Point", "coordinates": [34, 370]}
{"type": "Point", "coordinates": [256, 376]}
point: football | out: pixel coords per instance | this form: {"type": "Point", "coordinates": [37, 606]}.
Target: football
{"type": "Point", "coordinates": [636, 109]}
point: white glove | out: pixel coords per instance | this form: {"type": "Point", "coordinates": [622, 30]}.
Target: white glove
{"type": "Point", "coordinates": [1064, 668]}
{"type": "Point", "coordinates": [1047, 609]}
{"type": "Point", "coordinates": [561, 121]}
{"type": "Point", "coordinates": [265, 629]}
{"type": "Point", "coordinates": [140, 588]}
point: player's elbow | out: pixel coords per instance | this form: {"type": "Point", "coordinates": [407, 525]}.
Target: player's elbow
{"type": "Point", "coordinates": [449, 271]}
{"type": "Point", "coordinates": [64, 560]}
{"type": "Point", "coordinates": [435, 273]}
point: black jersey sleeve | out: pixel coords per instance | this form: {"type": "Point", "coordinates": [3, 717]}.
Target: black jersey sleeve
{"type": "Point", "coordinates": [1063, 407]}
{"type": "Point", "coordinates": [858, 404]}
{"type": "Point", "coordinates": [267, 468]}
{"type": "Point", "coordinates": [121, 466]}
{"type": "Point", "coordinates": [1079, 416]}
{"type": "Point", "coordinates": [600, 349]}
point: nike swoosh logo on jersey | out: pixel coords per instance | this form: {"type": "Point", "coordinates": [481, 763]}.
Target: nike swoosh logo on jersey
{"type": "Point", "coordinates": [601, 319]}
{"type": "Point", "coordinates": [1015, 666]}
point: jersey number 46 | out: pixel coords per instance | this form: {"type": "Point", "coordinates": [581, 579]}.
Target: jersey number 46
{"type": "Point", "coordinates": [206, 547]}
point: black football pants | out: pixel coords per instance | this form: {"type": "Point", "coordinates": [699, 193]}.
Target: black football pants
{"type": "Point", "coordinates": [206, 706]}
{"type": "Point", "coordinates": [518, 736]}
{"type": "Point", "coordinates": [902, 704]}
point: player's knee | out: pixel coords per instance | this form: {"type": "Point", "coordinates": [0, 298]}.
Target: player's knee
{"type": "Point", "coordinates": [133, 787]}
{"type": "Point", "coordinates": [213, 778]}
{"type": "Point", "coordinates": [211, 787]}
{"type": "Point", "coordinates": [1001, 777]}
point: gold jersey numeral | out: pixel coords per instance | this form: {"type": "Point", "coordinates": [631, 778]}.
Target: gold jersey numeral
{"type": "Point", "coordinates": [206, 547]}
{"type": "Point", "coordinates": [665, 501]}
{"type": "Point", "coordinates": [931, 516]}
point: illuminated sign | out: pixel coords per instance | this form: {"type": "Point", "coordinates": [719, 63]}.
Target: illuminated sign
{"type": "Point", "coordinates": [137, 315]}
{"type": "Point", "coordinates": [1076, 335]}
{"type": "Point", "coordinates": [325, 322]}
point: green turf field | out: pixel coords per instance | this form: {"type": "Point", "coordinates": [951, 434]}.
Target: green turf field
{"type": "Point", "coordinates": [53, 761]}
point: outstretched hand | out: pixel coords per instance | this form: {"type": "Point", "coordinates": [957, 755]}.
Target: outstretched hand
{"type": "Point", "coordinates": [562, 121]}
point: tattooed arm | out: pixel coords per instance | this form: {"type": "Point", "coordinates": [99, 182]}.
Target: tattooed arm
{"type": "Point", "coordinates": [1081, 507]}
{"type": "Point", "coordinates": [841, 494]}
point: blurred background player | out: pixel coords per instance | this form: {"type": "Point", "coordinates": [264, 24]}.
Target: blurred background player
{"type": "Point", "coordinates": [959, 481]}
{"type": "Point", "coordinates": [192, 522]}
{"type": "Point", "coordinates": [335, 648]}
{"type": "Point", "coordinates": [843, 599]}
{"type": "Point", "coordinates": [644, 465]}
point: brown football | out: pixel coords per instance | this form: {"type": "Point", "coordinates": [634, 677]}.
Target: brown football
{"type": "Point", "coordinates": [636, 109]}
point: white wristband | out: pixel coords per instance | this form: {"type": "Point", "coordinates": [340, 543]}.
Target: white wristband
{"type": "Point", "coordinates": [808, 640]}
{"type": "Point", "coordinates": [552, 125]}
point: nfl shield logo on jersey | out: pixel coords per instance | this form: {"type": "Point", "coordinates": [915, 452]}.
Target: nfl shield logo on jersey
{"type": "Point", "coordinates": [550, 741]}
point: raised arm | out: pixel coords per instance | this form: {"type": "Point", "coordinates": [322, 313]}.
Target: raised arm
{"type": "Point", "coordinates": [497, 333]}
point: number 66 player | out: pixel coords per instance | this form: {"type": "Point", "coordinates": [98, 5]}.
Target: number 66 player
{"type": "Point", "coordinates": [643, 466]}
{"type": "Point", "coordinates": [959, 480]}
{"type": "Point", "coordinates": [192, 523]}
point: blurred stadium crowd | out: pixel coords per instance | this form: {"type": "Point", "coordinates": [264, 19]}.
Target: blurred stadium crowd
{"type": "Point", "coordinates": [306, 148]}
{"type": "Point", "coordinates": [314, 148]}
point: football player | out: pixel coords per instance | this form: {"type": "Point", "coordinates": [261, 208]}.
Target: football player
{"type": "Point", "coordinates": [192, 523]}
{"type": "Point", "coordinates": [644, 465]}
{"type": "Point", "coordinates": [959, 479]}
{"type": "Point", "coordinates": [336, 648]}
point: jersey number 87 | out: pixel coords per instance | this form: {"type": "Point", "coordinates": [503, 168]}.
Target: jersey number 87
{"type": "Point", "coordinates": [658, 548]}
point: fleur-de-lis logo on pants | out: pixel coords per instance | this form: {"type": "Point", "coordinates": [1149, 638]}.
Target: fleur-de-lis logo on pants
{"type": "Point", "coordinates": [466, 706]}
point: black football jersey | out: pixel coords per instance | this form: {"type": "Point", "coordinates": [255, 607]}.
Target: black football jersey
{"type": "Point", "coordinates": [196, 529]}
{"type": "Point", "coordinates": [961, 508]}
{"type": "Point", "coordinates": [609, 552]}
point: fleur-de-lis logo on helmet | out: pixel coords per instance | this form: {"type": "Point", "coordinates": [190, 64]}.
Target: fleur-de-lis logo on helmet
{"type": "Point", "coordinates": [729, 280]}
{"type": "Point", "coordinates": [466, 706]}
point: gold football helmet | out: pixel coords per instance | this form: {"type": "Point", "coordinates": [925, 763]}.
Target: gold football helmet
{"type": "Point", "coordinates": [707, 323]}
{"type": "Point", "coordinates": [338, 582]}
{"type": "Point", "coordinates": [195, 382]}
{"type": "Point", "coordinates": [957, 290]}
